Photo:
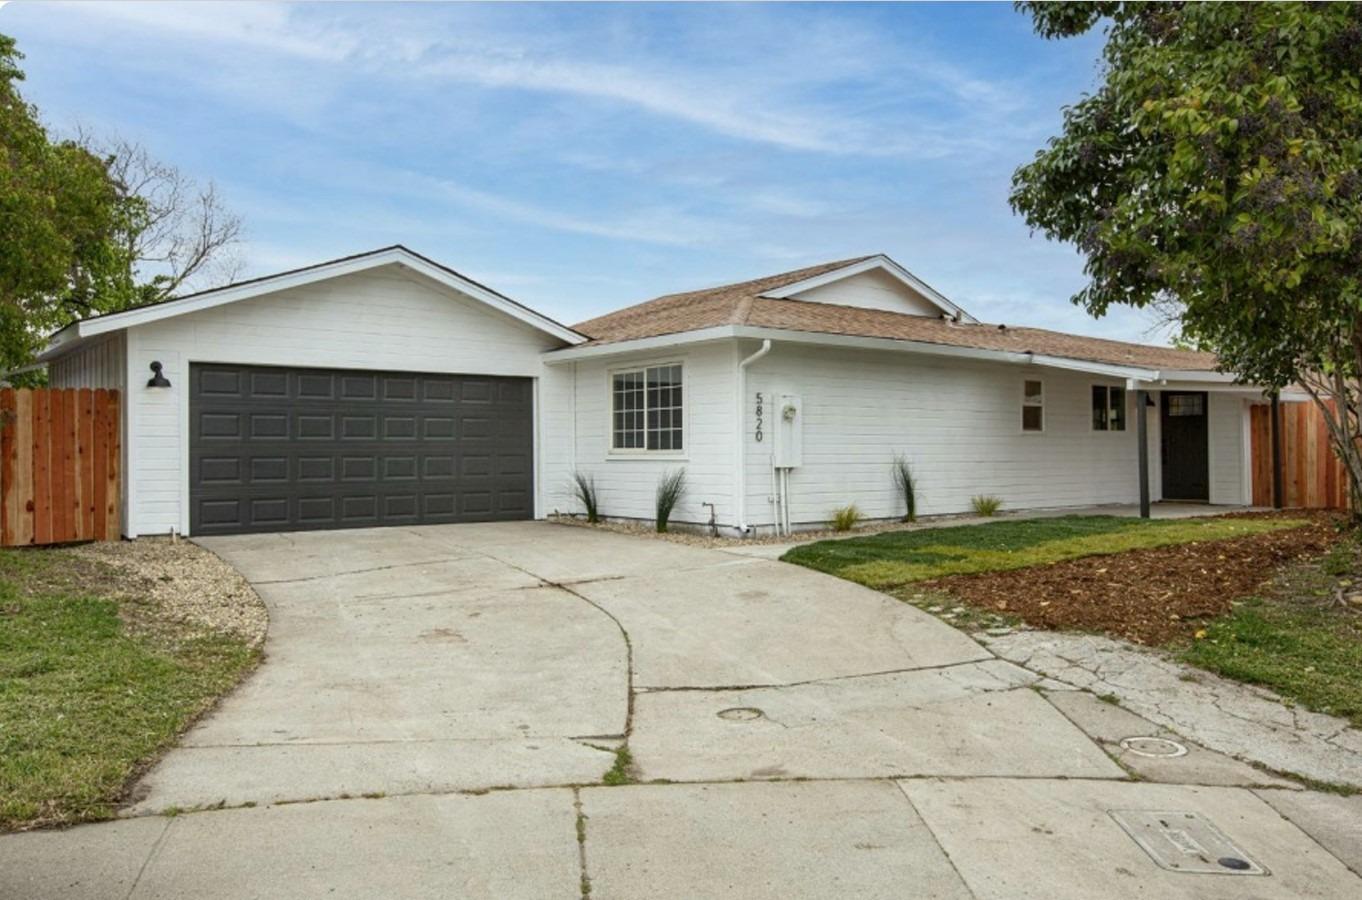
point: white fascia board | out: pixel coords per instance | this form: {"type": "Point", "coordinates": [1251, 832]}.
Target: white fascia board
{"type": "Point", "coordinates": [269, 285]}
{"type": "Point", "coordinates": [1094, 368]}
{"type": "Point", "coordinates": [878, 343]}
{"type": "Point", "coordinates": [569, 354]}
{"type": "Point", "coordinates": [856, 342]}
{"type": "Point", "coordinates": [884, 264]}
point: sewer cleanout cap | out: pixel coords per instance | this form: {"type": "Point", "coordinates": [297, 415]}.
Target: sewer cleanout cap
{"type": "Point", "coordinates": [1186, 842]}
{"type": "Point", "coordinates": [1154, 747]}
{"type": "Point", "coordinates": [740, 713]}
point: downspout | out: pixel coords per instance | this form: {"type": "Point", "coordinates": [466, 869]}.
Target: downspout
{"type": "Point", "coordinates": [740, 474]}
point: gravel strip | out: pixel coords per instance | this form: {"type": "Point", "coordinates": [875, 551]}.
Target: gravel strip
{"type": "Point", "coordinates": [699, 536]}
{"type": "Point", "coordinates": [186, 582]}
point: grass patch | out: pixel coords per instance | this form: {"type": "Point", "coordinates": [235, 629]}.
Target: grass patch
{"type": "Point", "coordinates": [87, 697]}
{"type": "Point", "coordinates": [1309, 654]}
{"type": "Point", "coordinates": [897, 558]}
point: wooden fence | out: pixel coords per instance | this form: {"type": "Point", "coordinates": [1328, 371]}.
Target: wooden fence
{"type": "Point", "coordinates": [59, 466]}
{"type": "Point", "coordinates": [1312, 475]}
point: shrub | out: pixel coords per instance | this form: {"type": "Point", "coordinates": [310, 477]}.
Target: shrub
{"type": "Point", "coordinates": [903, 479]}
{"type": "Point", "coordinates": [584, 489]}
{"type": "Point", "coordinates": [670, 490]}
{"type": "Point", "coordinates": [846, 518]}
{"type": "Point", "coordinates": [985, 505]}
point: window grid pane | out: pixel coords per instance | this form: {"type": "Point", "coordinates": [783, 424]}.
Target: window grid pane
{"type": "Point", "coordinates": [1118, 409]}
{"type": "Point", "coordinates": [646, 409]}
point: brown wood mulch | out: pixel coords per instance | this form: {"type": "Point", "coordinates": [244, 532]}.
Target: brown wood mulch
{"type": "Point", "coordinates": [1147, 596]}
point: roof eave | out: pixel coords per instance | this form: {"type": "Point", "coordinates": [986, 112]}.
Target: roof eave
{"type": "Point", "coordinates": [62, 340]}
{"type": "Point", "coordinates": [927, 348]}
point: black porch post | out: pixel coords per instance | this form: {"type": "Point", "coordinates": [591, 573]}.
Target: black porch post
{"type": "Point", "coordinates": [1276, 451]}
{"type": "Point", "coordinates": [1142, 420]}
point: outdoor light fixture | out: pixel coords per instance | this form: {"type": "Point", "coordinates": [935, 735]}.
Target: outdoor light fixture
{"type": "Point", "coordinates": [157, 379]}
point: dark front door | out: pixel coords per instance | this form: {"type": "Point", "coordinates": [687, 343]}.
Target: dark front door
{"type": "Point", "coordinates": [1186, 451]}
{"type": "Point", "coordinates": [276, 449]}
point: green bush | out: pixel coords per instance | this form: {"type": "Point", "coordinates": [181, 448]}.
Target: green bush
{"type": "Point", "coordinates": [846, 518]}
{"type": "Point", "coordinates": [985, 505]}
{"type": "Point", "coordinates": [907, 485]}
{"type": "Point", "coordinates": [584, 489]}
{"type": "Point", "coordinates": [670, 490]}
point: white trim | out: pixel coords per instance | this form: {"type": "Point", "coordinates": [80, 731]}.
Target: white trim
{"type": "Point", "coordinates": [1125, 413]}
{"type": "Point", "coordinates": [611, 451]}
{"type": "Point", "coordinates": [1044, 416]}
{"type": "Point", "coordinates": [881, 263]}
{"type": "Point", "coordinates": [399, 256]}
{"type": "Point", "coordinates": [927, 348]}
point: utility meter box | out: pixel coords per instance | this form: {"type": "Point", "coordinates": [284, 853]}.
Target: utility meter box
{"type": "Point", "coordinates": [788, 451]}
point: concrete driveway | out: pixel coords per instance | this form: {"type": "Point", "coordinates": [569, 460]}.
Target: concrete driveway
{"type": "Point", "coordinates": [438, 707]}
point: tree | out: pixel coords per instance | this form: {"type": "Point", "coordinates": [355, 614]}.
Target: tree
{"type": "Point", "coordinates": [59, 210]}
{"type": "Point", "coordinates": [177, 233]}
{"type": "Point", "coordinates": [1218, 168]}
{"type": "Point", "coordinates": [93, 225]}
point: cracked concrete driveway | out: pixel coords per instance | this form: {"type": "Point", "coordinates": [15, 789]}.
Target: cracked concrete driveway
{"type": "Point", "coordinates": [450, 698]}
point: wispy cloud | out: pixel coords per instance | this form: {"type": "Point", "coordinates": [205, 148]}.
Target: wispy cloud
{"type": "Point", "coordinates": [745, 99]}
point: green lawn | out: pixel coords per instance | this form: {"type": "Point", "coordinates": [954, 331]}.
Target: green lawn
{"type": "Point", "coordinates": [895, 558]}
{"type": "Point", "coordinates": [85, 697]}
{"type": "Point", "coordinates": [1294, 640]}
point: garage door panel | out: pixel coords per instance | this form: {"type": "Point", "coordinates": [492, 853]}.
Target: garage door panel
{"type": "Point", "coordinates": [284, 449]}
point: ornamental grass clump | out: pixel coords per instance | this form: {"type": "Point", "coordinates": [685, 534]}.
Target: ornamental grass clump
{"type": "Point", "coordinates": [584, 489]}
{"type": "Point", "coordinates": [670, 489]}
{"type": "Point", "coordinates": [985, 505]}
{"type": "Point", "coordinates": [846, 518]}
{"type": "Point", "coordinates": [907, 485]}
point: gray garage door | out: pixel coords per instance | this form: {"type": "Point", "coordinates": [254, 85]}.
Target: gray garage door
{"type": "Point", "coordinates": [275, 449]}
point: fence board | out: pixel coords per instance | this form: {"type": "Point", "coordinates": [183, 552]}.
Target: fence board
{"type": "Point", "coordinates": [1312, 474]}
{"type": "Point", "coordinates": [59, 473]}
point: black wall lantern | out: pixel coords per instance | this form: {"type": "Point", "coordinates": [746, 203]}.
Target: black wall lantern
{"type": "Point", "coordinates": [157, 379]}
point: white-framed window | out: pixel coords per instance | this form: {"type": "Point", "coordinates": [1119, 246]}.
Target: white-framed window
{"type": "Point", "coordinates": [646, 409]}
{"type": "Point", "coordinates": [1108, 408]}
{"type": "Point", "coordinates": [1033, 405]}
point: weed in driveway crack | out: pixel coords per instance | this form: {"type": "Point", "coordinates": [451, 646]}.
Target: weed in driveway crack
{"type": "Point", "coordinates": [581, 843]}
{"type": "Point", "coordinates": [622, 772]}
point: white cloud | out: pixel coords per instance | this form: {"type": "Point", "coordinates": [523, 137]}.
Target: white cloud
{"type": "Point", "coordinates": [748, 99]}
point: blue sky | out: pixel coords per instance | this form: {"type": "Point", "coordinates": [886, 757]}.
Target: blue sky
{"type": "Point", "coordinates": [580, 158]}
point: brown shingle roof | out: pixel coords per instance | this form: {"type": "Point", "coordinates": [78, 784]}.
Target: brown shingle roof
{"type": "Point", "coordinates": [743, 304]}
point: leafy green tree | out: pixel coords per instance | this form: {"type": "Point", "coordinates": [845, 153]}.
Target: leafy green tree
{"type": "Point", "coordinates": [93, 225]}
{"type": "Point", "coordinates": [59, 212]}
{"type": "Point", "coordinates": [1217, 167]}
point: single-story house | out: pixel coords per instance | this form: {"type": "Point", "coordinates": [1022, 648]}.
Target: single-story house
{"type": "Point", "coordinates": [386, 389]}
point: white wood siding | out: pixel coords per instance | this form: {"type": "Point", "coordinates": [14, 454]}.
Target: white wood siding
{"type": "Point", "coordinates": [957, 421]}
{"type": "Point", "coordinates": [380, 319]}
{"type": "Point", "coordinates": [875, 289]}
{"type": "Point", "coordinates": [98, 364]}
{"type": "Point", "coordinates": [580, 393]}
{"type": "Point", "coordinates": [1226, 416]}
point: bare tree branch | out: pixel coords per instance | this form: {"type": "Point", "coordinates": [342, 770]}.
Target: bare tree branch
{"type": "Point", "coordinates": [180, 234]}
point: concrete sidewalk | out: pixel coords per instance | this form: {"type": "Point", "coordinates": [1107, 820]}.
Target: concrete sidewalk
{"type": "Point", "coordinates": [439, 706]}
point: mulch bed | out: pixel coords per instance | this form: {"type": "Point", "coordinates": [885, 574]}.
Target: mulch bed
{"type": "Point", "coordinates": [1146, 596]}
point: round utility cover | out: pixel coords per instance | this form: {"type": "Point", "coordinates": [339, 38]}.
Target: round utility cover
{"type": "Point", "coordinates": [1155, 747]}
{"type": "Point", "coordinates": [740, 713]}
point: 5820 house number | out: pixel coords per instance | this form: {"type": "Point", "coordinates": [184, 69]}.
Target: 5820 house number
{"type": "Point", "coordinates": [760, 410]}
